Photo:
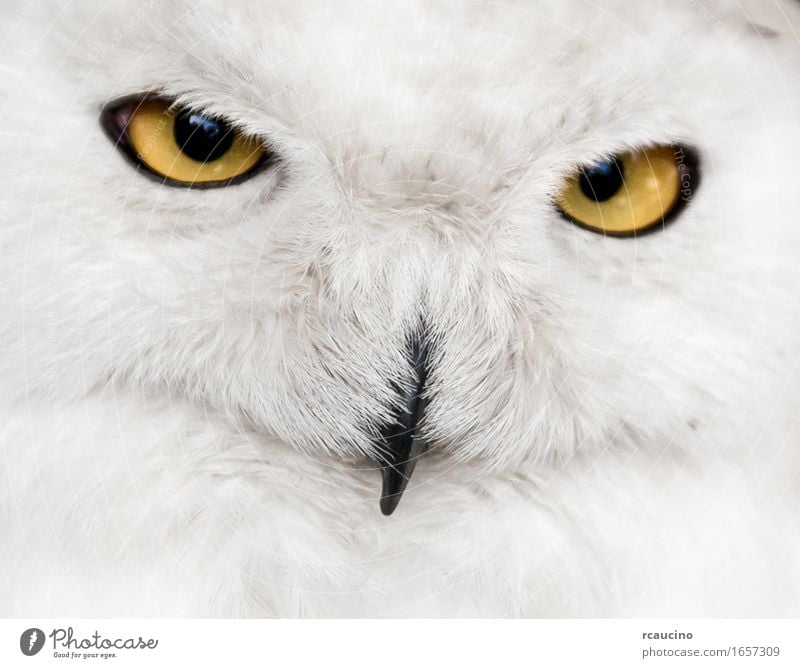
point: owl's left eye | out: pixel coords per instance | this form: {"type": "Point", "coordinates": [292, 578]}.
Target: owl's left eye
{"type": "Point", "coordinates": [631, 192]}
{"type": "Point", "coordinates": [181, 146]}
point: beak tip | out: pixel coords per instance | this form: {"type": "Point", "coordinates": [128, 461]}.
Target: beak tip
{"type": "Point", "coordinates": [389, 504]}
{"type": "Point", "coordinates": [394, 484]}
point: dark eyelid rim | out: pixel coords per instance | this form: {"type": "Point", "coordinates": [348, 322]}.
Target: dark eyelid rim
{"type": "Point", "coordinates": [690, 165]}
{"type": "Point", "coordinates": [117, 132]}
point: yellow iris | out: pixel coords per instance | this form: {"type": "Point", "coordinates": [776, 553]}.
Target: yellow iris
{"type": "Point", "coordinates": [631, 193]}
{"type": "Point", "coordinates": [202, 157]}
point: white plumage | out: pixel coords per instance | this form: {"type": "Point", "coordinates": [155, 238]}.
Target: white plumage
{"type": "Point", "coordinates": [190, 378]}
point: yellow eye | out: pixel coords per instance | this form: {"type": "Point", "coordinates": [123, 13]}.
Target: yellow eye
{"type": "Point", "coordinates": [631, 192]}
{"type": "Point", "coordinates": [182, 146]}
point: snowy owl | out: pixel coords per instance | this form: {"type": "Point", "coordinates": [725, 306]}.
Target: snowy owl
{"type": "Point", "coordinates": [389, 309]}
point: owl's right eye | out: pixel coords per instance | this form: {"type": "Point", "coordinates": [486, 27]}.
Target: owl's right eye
{"type": "Point", "coordinates": [182, 146]}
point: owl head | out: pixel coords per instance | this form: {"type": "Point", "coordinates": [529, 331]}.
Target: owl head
{"type": "Point", "coordinates": [501, 234]}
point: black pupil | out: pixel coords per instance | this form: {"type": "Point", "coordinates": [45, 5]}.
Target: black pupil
{"type": "Point", "coordinates": [602, 181]}
{"type": "Point", "coordinates": [202, 138]}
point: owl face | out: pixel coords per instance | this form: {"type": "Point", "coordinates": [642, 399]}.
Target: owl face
{"type": "Point", "coordinates": [497, 234]}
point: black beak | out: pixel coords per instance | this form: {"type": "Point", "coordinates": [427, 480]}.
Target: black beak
{"type": "Point", "coordinates": [400, 445]}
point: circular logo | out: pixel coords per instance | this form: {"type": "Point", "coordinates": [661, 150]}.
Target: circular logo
{"type": "Point", "coordinates": [31, 641]}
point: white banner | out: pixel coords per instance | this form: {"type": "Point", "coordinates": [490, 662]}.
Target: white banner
{"type": "Point", "coordinates": [402, 643]}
